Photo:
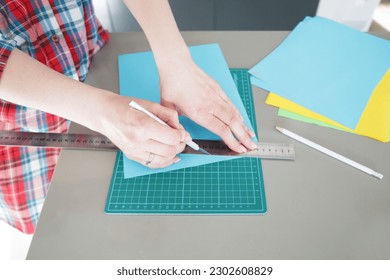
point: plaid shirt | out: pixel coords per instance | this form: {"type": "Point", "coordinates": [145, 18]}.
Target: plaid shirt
{"type": "Point", "coordinates": [64, 35]}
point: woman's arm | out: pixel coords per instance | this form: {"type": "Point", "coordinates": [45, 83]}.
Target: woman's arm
{"type": "Point", "coordinates": [181, 79]}
{"type": "Point", "coordinates": [30, 83]}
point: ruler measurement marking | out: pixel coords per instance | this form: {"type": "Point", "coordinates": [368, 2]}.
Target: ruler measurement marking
{"type": "Point", "coordinates": [100, 142]}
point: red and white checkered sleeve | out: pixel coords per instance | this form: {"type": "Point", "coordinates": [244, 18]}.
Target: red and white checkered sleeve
{"type": "Point", "coordinates": [6, 48]}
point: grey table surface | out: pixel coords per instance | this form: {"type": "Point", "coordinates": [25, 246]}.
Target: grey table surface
{"type": "Point", "coordinates": [318, 208]}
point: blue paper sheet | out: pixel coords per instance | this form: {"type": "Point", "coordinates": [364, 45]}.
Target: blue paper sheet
{"type": "Point", "coordinates": [138, 77]}
{"type": "Point", "coordinates": [326, 67]}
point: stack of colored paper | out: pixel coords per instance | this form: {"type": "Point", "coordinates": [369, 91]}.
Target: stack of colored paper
{"type": "Point", "coordinates": [329, 74]}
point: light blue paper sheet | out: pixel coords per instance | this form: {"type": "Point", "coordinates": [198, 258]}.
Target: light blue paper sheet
{"type": "Point", "coordinates": [138, 77]}
{"type": "Point", "coordinates": [261, 84]}
{"type": "Point", "coordinates": [326, 67]}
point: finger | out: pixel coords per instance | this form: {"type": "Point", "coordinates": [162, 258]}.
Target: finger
{"type": "Point", "coordinates": [242, 133]}
{"type": "Point", "coordinates": [150, 159]}
{"type": "Point", "coordinates": [154, 161]}
{"type": "Point", "coordinates": [164, 150]}
{"type": "Point", "coordinates": [166, 134]}
{"type": "Point", "coordinates": [233, 120]}
{"type": "Point", "coordinates": [218, 127]}
{"type": "Point", "coordinates": [225, 98]}
{"type": "Point", "coordinates": [226, 113]}
{"type": "Point", "coordinates": [249, 131]}
{"type": "Point", "coordinates": [169, 116]}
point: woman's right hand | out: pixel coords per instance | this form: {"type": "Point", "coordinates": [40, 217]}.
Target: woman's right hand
{"type": "Point", "coordinates": [140, 137]}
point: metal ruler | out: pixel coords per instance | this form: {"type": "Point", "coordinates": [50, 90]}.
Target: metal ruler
{"type": "Point", "coordinates": [264, 150]}
{"type": "Point", "coordinates": [99, 142]}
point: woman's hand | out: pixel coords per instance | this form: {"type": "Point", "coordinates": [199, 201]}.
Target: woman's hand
{"type": "Point", "coordinates": [185, 87]}
{"type": "Point", "coordinates": [140, 137]}
{"type": "Point", "coordinates": [190, 91]}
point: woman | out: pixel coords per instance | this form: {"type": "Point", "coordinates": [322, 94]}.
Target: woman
{"type": "Point", "coordinates": [46, 48]}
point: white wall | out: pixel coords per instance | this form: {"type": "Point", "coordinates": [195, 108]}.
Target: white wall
{"type": "Point", "coordinates": [355, 13]}
{"type": "Point", "coordinates": [382, 15]}
{"type": "Point", "coordinates": [115, 16]}
{"type": "Point", "coordinates": [102, 11]}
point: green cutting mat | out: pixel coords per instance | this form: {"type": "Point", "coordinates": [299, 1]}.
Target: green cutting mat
{"type": "Point", "coordinates": [227, 187]}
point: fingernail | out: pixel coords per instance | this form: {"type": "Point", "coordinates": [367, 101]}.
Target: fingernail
{"type": "Point", "coordinates": [253, 146]}
{"type": "Point", "coordinates": [252, 133]}
{"type": "Point", "coordinates": [242, 149]}
{"type": "Point", "coordinates": [188, 138]}
{"type": "Point", "coordinates": [177, 160]}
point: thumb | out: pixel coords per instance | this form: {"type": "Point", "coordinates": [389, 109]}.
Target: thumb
{"type": "Point", "coordinates": [169, 116]}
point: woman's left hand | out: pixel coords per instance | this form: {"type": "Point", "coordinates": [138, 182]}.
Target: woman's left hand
{"type": "Point", "coordinates": [189, 90]}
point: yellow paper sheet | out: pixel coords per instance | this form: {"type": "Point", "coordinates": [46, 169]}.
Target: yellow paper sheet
{"type": "Point", "coordinates": [374, 122]}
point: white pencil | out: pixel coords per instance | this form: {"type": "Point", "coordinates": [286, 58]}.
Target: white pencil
{"type": "Point", "coordinates": [330, 153]}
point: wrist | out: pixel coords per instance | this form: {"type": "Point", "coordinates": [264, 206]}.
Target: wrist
{"type": "Point", "coordinates": [97, 112]}
{"type": "Point", "coordinates": [172, 58]}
